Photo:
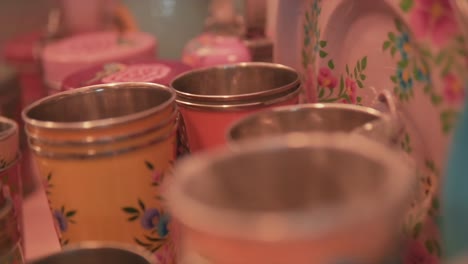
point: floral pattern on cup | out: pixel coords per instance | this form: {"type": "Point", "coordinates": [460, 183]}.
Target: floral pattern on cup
{"type": "Point", "coordinates": [413, 67]}
{"type": "Point", "coordinates": [349, 82]}
{"type": "Point", "coordinates": [63, 217]}
{"type": "Point", "coordinates": [158, 232]}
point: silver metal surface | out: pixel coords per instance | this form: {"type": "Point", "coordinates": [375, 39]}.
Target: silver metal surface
{"type": "Point", "coordinates": [235, 84]}
{"type": "Point", "coordinates": [101, 105]}
{"type": "Point", "coordinates": [92, 153]}
{"type": "Point", "coordinates": [239, 105]}
{"type": "Point", "coordinates": [8, 128]}
{"type": "Point", "coordinates": [302, 118]}
{"type": "Point", "coordinates": [289, 187]}
{"type": "Point", "coordinates": [171, 121]}
{"type": "Point", "coordinates": [98, 253]}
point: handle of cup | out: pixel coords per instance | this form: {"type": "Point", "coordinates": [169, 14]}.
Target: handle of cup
{"type": "Point", "coordinates": [396, 122]}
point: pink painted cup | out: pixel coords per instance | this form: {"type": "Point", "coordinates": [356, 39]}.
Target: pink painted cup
{"type": "Point", "coordinates": [301, 198]}
{"type": "Point", "coordinates": [79, 52]}
{"type": "Point", "coordinates": [210, 99]}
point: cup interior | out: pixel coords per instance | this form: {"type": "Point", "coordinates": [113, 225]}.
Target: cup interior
{"type": "Point", "coordinates": [330, 118]}
{"type": "Point", "coordinates": [293, 186]}
{"type": "Point", "coordinates": [237, 79]}
{"type": "Point", "coordinates": [99, 103]}
{"type": "Point", "coordinates": [94, 256]}
{"type": "Point", "coordinates": [287, 180]}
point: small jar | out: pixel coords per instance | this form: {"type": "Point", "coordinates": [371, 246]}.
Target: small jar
{"type": "Point", "coordinates": [73, 54]}
{"type": "Point", "coordinates": [221, 42]}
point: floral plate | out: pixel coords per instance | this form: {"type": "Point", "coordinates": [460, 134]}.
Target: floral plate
{"type": "Point", "coordinates": [411, 48]}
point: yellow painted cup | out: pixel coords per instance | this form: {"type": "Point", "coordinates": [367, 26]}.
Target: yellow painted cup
{"type": "Point", "coordinates": [103, 151]}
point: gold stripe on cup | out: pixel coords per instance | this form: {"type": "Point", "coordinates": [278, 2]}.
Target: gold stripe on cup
{"type": "Point", "coordinates": [103, 162]}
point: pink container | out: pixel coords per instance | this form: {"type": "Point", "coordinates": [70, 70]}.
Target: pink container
{"type": "Point", "coordinates": [210, 99]}
{"type": "Point", "coordinates": [289, 200]}
{"type": "Point", "coordinates": [146, 70]}
{"type": "Point", "coordinates": [79, 52]}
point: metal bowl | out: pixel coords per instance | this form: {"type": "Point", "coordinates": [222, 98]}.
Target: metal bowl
{"type": "Point", "coordinates": [302, 118]}
{"type": "Point", "coordinates": [98, 253]}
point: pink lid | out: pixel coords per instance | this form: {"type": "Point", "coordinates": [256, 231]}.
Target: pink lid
{"type": "Point", "coordinates": [149, 70]}
{"type": "Point", "coordinates": [73, 54]}
{"type": "Point", "coordinates": [22, 48]}
{"type": "Point", "coordinates": [210, 50]}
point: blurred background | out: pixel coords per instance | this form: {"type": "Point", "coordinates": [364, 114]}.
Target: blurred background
{"type": "Point", "coordinates": [163, 18]}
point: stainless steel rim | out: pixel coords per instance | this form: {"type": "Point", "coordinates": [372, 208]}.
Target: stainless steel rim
{"type": "Point", "coordinates": [239, 97]}
{"type": "Point", "coordinates": [92, 155]}
{"type": "Point", "coordinates": [10, 131]}
{"type": "Point", "coordinates": [106, 140]}
{"type": "Point", "coordinates": [292, 108]}
{"type": "Point", "coordinates": [240, 106]}
{"type": "Point", "coordinates": [228, 219]}
{"type": "Point", "coordinates": [90, 245]}
{"type": "Point", "coordinates": [102, 122]}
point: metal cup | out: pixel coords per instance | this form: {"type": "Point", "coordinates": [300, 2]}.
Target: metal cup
{"type": "Point", "coordinates": [309, 118]}
{"type": "Point", "coordinates": [103, 151]}
{"type": "Point", "coordinates": [301, 198]}
{"type": "Point", "coordinates": [211, 98]}
{"type": "Point", "coordinates": [98, 253]}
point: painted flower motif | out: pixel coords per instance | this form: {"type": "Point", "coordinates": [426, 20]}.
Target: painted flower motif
{"type": "Point", "coordinates": [403, 45]}
{"type": "Point", "coordinates": [149, 219]}
{"type": "Point", "coordinates": [453, 89]}
{"type": "Point", "coordinates": [433, 18]}
{"type": "Point", "coordinates": [405, 80]}
{"type": "Point", "coordinates": [157, 176]}
{"type": "Point", "coordinates": [61, 220]}
{"type": "Point", "coordinates": [422, 74]}
{"type": "Point", "coordinates": [417, 253]}
{"type": "Point", "coordinates": [163, 225]}
{"type": "Point", "coordinates": [351, 90]}
{"type": "Point", "coordinates": [326, 78]}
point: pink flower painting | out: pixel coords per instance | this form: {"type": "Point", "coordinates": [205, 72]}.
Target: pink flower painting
{"type": "Point", "coordinates": [418, 254]}
{"type": "Point", "coordinates": [326, 78]}
{"type": "Point", "coordinates": [453, 89]}
{"type": "Point", "coordinates": [433, 19]}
